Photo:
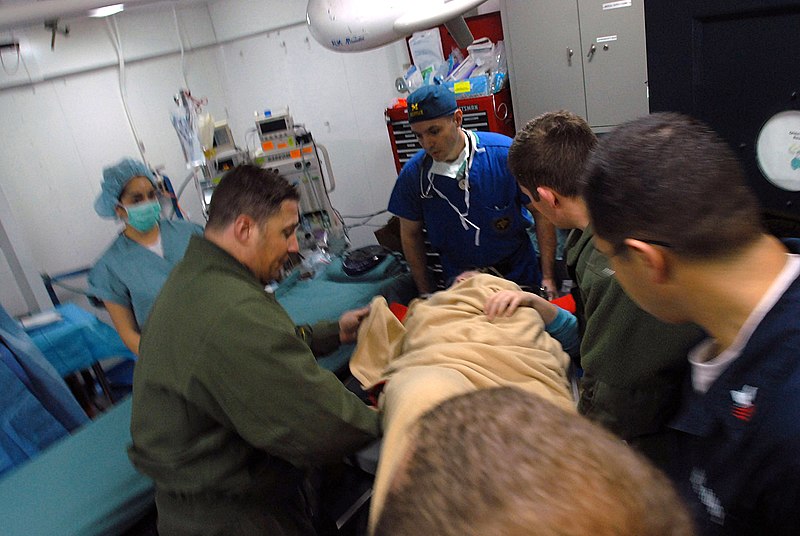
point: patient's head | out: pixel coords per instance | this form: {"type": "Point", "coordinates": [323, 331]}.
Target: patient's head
{"type": "Point", "coordinates": [502, 461]}
{"type": "Point", "coordinates": [469, 274]}
{"type": "Point", "coordinates": [463, 276]}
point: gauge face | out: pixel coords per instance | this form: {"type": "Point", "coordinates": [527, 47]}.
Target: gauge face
{"type": "Point", "coordinates": [778, 150]}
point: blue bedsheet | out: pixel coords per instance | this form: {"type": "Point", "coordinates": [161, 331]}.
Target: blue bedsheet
{"type": "Point", "coordinates": [84, 485]}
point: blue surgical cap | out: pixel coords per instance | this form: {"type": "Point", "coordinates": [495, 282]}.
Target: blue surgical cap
{"type": "Point", "coordinates": [114, 180]}
{"type": "Point", "coordinates": [430, 102]}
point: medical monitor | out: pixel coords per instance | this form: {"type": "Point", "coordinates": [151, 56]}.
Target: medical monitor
{"type": "Point", "coordinates": [271, 125]}
{"type": "Point", "coordinates": [223, 137]}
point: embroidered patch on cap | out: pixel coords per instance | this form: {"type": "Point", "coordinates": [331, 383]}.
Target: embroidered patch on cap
{"type": "Point", "coordinates": [430, 102]}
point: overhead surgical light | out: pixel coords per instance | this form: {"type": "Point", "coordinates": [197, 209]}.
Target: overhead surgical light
{"type": "Point", "coordinates": [355, 25]}
{"type": "Point", "coordinates": [106, 11]}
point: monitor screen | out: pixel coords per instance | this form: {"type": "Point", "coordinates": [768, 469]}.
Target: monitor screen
{"type": "Point", "coordinates": [272, 125]}
{"type": "Point", "coordinates": [222, 137]}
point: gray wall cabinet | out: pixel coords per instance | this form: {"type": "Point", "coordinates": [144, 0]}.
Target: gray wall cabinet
{"type": "Point", "coordinates": [587, 56]}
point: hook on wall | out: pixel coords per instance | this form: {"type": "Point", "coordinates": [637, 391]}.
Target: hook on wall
{"type": "Point", "coordinates": [52, 25]}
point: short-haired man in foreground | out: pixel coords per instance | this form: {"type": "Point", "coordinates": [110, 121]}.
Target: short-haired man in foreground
{"type": "Point", "coordinates": [633, 363]}
{"type": "Point", "coordinates": [230, 407]}
{"type": "Point", "coordinates": [672, 211]}
{"type": "Point", "coordinates": [506, 462]}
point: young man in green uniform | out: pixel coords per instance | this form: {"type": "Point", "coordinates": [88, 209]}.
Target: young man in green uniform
{"type": "Point", "coordinates": [230, 407]}
{"type": "Point", "coordinates": [633, 364]}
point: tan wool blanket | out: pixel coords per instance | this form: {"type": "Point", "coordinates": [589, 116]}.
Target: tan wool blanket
{"type": "Point", "coordinates": [446, 346]}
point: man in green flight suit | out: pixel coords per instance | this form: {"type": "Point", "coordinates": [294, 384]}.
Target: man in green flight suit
{"type": "Point", "coordinates": [633, 364]}
{"type": "Point", "coordinates": [230, 407]}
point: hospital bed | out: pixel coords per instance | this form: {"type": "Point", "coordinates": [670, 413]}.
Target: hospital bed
{"type": "Point", "coordinates": [84, 484]}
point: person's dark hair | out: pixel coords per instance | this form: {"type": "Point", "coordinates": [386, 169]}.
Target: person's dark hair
{"type": "Point", "coordinates": [669, 179]}
{"type": "Point", "coordinates": [250, 190]}
{"type": "Point", "coordinates": [551, 151]}
{"type": "Point", "coordinates": [503, 461]}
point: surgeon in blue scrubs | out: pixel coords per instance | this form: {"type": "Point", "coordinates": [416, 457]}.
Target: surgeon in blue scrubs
{"type": "Point", "coordinates": [459, 189]}
{"type": "Point", "coordinates": [131, 272]}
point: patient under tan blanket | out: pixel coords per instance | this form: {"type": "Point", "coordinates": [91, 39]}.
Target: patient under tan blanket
{"type": "Point", "coordinates": [446, 346]}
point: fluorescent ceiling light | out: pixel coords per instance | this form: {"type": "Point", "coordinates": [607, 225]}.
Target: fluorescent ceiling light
{"type": "Point", "coordinates": [106, 11]}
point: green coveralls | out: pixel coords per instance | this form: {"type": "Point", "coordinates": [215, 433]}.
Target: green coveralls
{"type": "Point", "coordinates": [633, 364]}
{"type": "Point", "coordinates": [230, 406]}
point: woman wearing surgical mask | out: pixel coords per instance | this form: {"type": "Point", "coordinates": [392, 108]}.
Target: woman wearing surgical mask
{"type": "Point", "coordinates": [129, 275]}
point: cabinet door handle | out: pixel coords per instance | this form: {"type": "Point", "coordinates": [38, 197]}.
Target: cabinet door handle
{"type": "Point", "coordinates": [592, 50]}
{"type": "Point", "coordinates": [570, 53]}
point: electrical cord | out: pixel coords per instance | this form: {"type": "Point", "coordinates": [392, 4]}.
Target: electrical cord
{"type": "Point", "coordinates": [251, 134]}
{"type": "Point", "coordinates": [180, 42]}
{"type": "Point", "coordinates": [117, 42]}
{"type": "Point", "coordinates": [185, 183]}
{"type": "Point", "coordinates": [372, 215]}
{"type": "Point", "coordinates": [325, 188]}
{"type": "Point", "coordinates": [375, 225]}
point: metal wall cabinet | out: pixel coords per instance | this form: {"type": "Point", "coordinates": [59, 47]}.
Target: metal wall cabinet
{"type": "Point", "coordinates": [586, 56]}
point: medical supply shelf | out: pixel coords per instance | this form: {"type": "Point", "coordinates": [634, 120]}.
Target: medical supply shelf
{"type": "Point", "coordinates": [491, 113]}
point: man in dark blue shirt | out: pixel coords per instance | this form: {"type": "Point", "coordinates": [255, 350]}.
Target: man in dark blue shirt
{"type": "Point", "coordinates": [460, 190]}
{"type": "Point", "coordinates": [672, 212]}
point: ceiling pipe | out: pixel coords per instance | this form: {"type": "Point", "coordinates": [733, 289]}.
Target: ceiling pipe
{"type": "Point", "coordinates": [34, 13]}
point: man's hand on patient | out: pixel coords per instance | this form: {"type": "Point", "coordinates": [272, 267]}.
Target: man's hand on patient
{"type": "Point", "coordinates": [349, 323]}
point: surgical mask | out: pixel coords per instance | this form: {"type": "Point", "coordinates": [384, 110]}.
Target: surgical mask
{"type": "Point", "coordinates": [143, 216]}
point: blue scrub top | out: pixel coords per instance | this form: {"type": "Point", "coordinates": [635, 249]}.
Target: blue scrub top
{"type": "Point", "coordinates": [131, 275]}
{"type": "Point", "coordinates": [495, 206]}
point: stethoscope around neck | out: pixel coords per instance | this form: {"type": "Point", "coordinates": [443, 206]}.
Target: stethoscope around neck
{"type": "Point", "coordinates": [462, 177]}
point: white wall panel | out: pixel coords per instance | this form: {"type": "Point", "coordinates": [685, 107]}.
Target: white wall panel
{"type": "Point", "coordinates": [145, 32]}
{"type": "Point", "coordinates": [50, 166]}
{"type": "Point", "coordinates": [235, 19]}
{"type": "Point", "coordinates": [148, 30]}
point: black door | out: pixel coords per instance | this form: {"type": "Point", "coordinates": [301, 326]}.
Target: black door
{"type": "Point", "coordinates": [733, 64]}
